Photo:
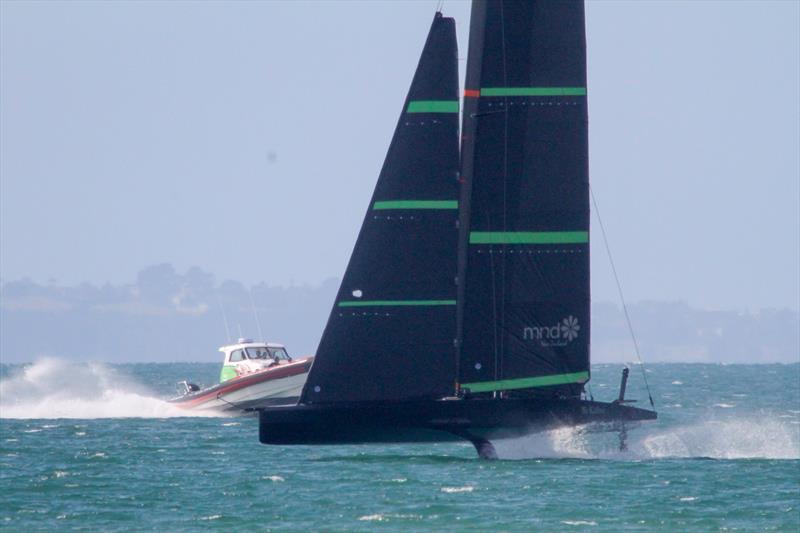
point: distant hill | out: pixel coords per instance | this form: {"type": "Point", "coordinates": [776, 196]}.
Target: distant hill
{"type": "Point", "coordinates": [676, 332]}
{"type": "Point", "coordinates": [168, 316]}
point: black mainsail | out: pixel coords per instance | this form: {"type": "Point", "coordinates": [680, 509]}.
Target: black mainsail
{"type": "Point", "coordinates": [464, 310]}
{"type": "Point", "coordinates": [524, 246]}
{"type": "Point", "coordinates": [390, 333]}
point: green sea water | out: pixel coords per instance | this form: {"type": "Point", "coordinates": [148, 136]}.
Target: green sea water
{"type": "Point", "coordinates": [94, 447]}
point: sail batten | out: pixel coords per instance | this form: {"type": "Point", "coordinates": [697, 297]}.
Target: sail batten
{"type": "Point", "coordinates": [533, 91]}
{"type": "Point", "coordinates": [414, 204]}
{"type": "Point", "coordinates": [394, 303]}
{"type": "Point", "coordinates": [525, 383]}
{"type": "Point", "coordinates": [529, 237]}
{"type": "Point", "coordinates": [432, 106]}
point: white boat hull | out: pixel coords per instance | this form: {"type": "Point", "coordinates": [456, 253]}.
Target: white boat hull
{"type": "Point", "coordinates": [279, 385]}
{"type": "Point", "coordinates": [286, 388]}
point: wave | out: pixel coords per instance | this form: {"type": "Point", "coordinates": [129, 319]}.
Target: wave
{"type": "Point", "coordinates": [53, 388]}
{"type": "Point", "coordinates": [742, 437]}
{"type": "Point", "coordinates": [735, 438]}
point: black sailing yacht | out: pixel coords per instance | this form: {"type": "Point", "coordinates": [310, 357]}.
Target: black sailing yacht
{"type": "Point", "coordinates": [464, 310]}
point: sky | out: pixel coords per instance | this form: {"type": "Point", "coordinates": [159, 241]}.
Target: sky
{"type": "Point", "coordinates": [245, 138]}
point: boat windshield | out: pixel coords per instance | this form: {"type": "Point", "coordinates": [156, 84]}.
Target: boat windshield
{"type": "Point", "coordinates": [257, 353]}
{"type": "Point", "coordinates": [280, 354]}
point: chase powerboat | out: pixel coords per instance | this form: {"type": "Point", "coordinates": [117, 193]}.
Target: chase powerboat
{"type": "Point", "coordinates": [254, 374]}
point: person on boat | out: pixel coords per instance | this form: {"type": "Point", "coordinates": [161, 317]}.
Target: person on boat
{"type": "Point", "coordinates": [257, 353]}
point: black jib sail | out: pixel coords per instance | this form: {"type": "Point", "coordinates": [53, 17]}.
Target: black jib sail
{"type": "Point", "coordinates": [524, 244]}
{"type": "Point", "coordinates": [390, 333]}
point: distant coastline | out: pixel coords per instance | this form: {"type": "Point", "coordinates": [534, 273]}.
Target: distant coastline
{"type": "Point", "coordinates": [168, 316]}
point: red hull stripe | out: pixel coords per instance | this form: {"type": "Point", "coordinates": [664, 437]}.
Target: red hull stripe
{"type": "Point", "coordinates": [474, 93]}
{"type": "Point", "coordinates": [235, 384]}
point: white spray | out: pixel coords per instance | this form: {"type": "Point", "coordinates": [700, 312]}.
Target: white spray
{"type": "Point", "coordinates": [54, 388]}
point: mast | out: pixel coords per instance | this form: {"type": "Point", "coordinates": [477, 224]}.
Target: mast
{"type": "Point", "coordinates": [523, 259]}
{"type": "Point", "coordinates": [390, 332]}
{"type": "Point", "coordinates": [468, 128]}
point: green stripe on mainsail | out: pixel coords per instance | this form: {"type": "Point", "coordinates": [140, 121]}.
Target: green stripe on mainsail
{"type": "Point", "coordinates": [533, 91]}
{"type": "Point", "coordinates": [415, 204]}
{"type": "Point", "coordinates": [529, 237]}
{"type": "Point", "coordinates": [394, 303]}
{"type": "Point", "coordinates": [433, 106]}
{"type": "Point", "coordinates": [525, 383]}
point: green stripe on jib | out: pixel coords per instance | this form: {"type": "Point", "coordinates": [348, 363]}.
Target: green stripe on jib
{"type": "Point", "coordinates": [533, 91]}
{"type": "Point", "coordinates": [529, 237]}
{"type": "Point", "coordinates": [394, 303]}
{"type": "Point", "coordinates": [526, 383]}
{"type": "Point", "coordinates": [415, 204]}
{"type": "Point", "coordinates": [432, 106]}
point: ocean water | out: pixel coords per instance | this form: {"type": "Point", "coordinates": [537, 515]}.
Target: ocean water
{"type": "Point", "coordinates": [94, 447]}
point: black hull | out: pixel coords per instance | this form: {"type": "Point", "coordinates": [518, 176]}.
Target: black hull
{"type": "Point", "coordinates": [476, 420]}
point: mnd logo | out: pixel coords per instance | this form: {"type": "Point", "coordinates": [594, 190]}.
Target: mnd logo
{"type": "Point", "coordinates": [559, 334]}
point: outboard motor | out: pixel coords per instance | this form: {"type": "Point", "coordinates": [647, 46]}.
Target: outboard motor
{"type": "Point", "coordinates": [186, 387]}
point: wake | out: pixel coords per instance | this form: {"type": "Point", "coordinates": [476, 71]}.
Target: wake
{"type": "Point", "coordinates": [53, 388]}
{"type": "Point", "coordinates": [742, 437]}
